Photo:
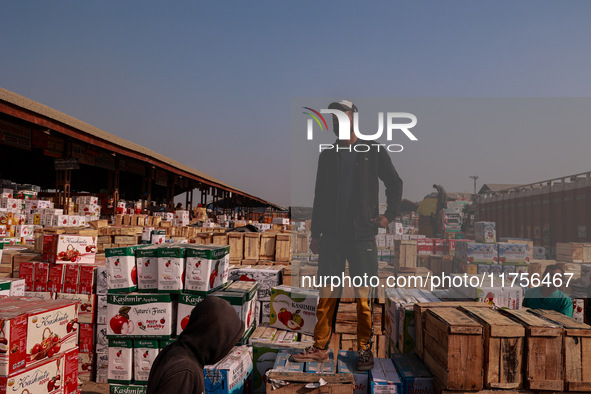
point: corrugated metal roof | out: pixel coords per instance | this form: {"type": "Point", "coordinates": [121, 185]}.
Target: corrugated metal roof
{"type": "Point", "coordinates": [40, 109]}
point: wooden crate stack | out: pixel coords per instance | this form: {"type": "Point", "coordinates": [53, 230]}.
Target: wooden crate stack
{"type": "Point", "coordinates": [114, 237]}
{"type": "Point", "coordinates": [573, 252]}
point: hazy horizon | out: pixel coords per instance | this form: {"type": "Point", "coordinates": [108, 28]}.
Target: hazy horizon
{"type": "Point", "coordinates": [212, 84]}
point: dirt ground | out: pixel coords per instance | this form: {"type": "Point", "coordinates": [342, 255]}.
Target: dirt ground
{"type": "Point", "coordinates": [95, 388]}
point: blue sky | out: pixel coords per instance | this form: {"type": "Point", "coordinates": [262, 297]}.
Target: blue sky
{"type": "Point", "coordinates": [211, 83]}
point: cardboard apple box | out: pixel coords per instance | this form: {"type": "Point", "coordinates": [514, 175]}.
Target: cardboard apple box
{"type": "Point", "coordinates": [206, 267]}
{"type": "Point", "coordinates": [14, 337]}
{"type": "Point", "coordinates": [171, 266]}
{"type": "Point", "coordinates": [145, 352]}
{"type": "Point", "coordinates": [41, 277]}
{"type": "Point", "coordinates": [121, 269]}
{"type": "Point", "coordinates": [186, 304]}
{"type": "Point", "coordinates": [27, 272]}
{"type": "Point", "coordinates": [86, 304]}
{"type": "Point", "coordinates": [71, 278]}
{"type": "Point", "coordinates": [85, 366]}
{"type": "Point", "coordinates": [293, 309]}
{"type": "Point", "coordinates": [139, 315]}
{"type": "Point", "coordinates": [51, 329]}
{"type": "Point", "coordinates": [147, 268]}
{"type": "Point", "coordinates": [87, 279]}
{"type": "Point", "coordinates": [73, 249]}
{"type": "Point", "coordinates": [45, 377]}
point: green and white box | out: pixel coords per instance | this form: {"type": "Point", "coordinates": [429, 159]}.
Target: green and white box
{"type": "Point", "coordinates": [145, 352]}
{"type": "Point", "coordinates": [120, 361]}
{"type": "Point", "coordinates": [206, 267]}
{"type": "Point", "coordinates": [121, 270]}
{"type": "Point", "coordinates": [243, 297]}
{"type": "Point", "coordinates": [140, 315]}
{"type": "Point", "coordinates": [147, 268]}
{"type": "Point", "coordinates": [187, 302]}
{"type": "Point", "coordinates": [171, 266]}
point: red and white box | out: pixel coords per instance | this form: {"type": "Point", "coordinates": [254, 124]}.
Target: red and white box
{"type": "Point", "coordinates": [41, 277]}
{"type": "Point", "coordinates": [438, 247]}
{"type": "Point", "coordinates": [86, 338]}
{"type": "Point", "coordinates": [71, 278]}
{"type": "Point", "coordinates": [87, 279]}
{"type": "Point", "coordinates": [51, 329]}
{"type": "Point", "coordinates": [86, 305]}
{"type": "Point", "coordinates": [13, 352]}
{"type": "Point", "coordinates": [52, 376]}
{"type": "Point", "coordinates": [85, 366]}
{"type": "Point", "coordinates": [72, 249]}
{"type": "Point", "coordinates": [425, 246]}
{"type": "Point", "coordinates": [27, 272]}
{"type": "Point", "coordinates": [56, 278]}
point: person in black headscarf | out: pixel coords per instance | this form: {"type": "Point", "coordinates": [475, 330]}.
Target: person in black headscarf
{"type": "Point", "coordinates": [214, 328]}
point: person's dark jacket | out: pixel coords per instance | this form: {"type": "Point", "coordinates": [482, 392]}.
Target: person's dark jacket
{"type": "Point", "coordinates": [214, 328]}
{"type": "Point", "coordinates": [370, 167]}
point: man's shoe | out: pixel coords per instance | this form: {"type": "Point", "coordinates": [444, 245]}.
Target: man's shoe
{"type": "Point", "coordinates": [311, 353]}
{"type": "Point", "coordinates": [365, 362]}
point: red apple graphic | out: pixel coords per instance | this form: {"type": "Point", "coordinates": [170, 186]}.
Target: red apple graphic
{"type": "Point", "coordinates": [120, 321]}
{"type": "Point", "coordinates": [134, 275]}
{"type": "Point", "coordinates": [117, 262]}
{"type": "Point", "coordinates": [162, 321]}
{"type": "Point", "coordinates": [184, 322]}
{"type": "Point", "coordinates": [147, 263]}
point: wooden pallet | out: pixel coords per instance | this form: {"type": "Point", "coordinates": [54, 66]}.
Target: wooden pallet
{"type": "Point", "coordinates": [543, 351]}
{"type": "Point", "coordinates": [503, 348]}
{"type": "Point", "coordinates": [577, 350]}
{"type": "Point", "coordinates": [453, 349]}
{"type": "Point", "coordinates": [300, 374]}
{"type": "Point", "coordinates": [336, 383]}
{"type": "Point", "coordinates": [420, 315]}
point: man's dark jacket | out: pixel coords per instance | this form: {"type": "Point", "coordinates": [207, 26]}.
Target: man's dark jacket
{"type": "Point", "coordinates": [369, 168]}
{"type": "Point", "coordinates": [212, 331]}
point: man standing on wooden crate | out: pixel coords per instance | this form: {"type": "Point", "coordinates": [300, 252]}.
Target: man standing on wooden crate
{"type": "Point", "coordinates": [345, 221]}
{"type": "Point", "coordinates": [548, 296]}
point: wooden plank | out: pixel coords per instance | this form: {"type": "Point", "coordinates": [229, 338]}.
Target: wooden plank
{"type": "Point", "coordinates": [572, 366]}
{"type": "Point", "coordinates": [437, 350]}
{"type": "Point", "coordinates": [438, 371]}
{"type": "Point", "coordinates": [312, 377]}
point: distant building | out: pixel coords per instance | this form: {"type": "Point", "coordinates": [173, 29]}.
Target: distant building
{"type": "Point", "coordinates": [496, 187]}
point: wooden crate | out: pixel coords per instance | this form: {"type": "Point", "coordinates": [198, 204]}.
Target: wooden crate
{"type": "Point", "coordinates": [219, 238]}
{"type": "Point", "coordinates": [302, 243]}
{"type": "Point", "coordinates": [283, 247]}
{"type": "Point", "coordinates": [236, 242]}
{"type": "Point", "coordinates": [405, 253]}
{"type": "Point", "coordinates": [204, 238]}
{"type": "Point", "coordinates": [577, 350]}
{"type": "Point", "coordinates": [503, 348]}
{"type": "Point", "coordinates": [267, 251]}
{"type": "Point", "coordinates": [252, 246]}
{"type": "Point", "coordinates": [573, 252]}
{"type": "Point", "coordinates": [543, 351]}
{"type": "Point", "coordinates": [453, 349]}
